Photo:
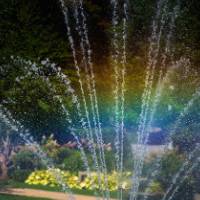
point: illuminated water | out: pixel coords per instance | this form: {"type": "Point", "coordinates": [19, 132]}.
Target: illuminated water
{"type": "Point", "coordinates": [89, 117]}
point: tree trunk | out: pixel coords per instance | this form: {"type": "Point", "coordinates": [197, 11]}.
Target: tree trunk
{"type": "Point", "coordinates": [3, 168]}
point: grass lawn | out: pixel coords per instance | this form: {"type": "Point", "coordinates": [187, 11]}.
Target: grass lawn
{"type": "Point", "coordinates": [13, 197]}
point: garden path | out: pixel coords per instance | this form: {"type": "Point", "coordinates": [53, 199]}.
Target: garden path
{"type": "Point", "coordinates": [43, 194]}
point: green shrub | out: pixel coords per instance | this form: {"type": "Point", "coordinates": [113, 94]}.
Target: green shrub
{"type": "Point", "coordinates": [20, 174]}
{"type": "Point", "coordinates": [24, 163]}
{"type": "Point", "coordinates": [110, 162]}
{"type": "Point", "coordinates": [170, 164]}
{"type": "Point", "coordinates": [73, 162]}
{"type": "Point", "coordinates": [154, 188]}
{"type": "Point", "coordinates": [62, 154]}
{"type": "Point", "coordinates": [185, 191]}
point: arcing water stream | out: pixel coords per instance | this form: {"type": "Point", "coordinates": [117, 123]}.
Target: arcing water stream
{"type": "Point", "coordinates": [26, 136]}
{"type": "Point", "coordinates": [147, 113]}
{"type": "Point", "coordinates": [90, 121]}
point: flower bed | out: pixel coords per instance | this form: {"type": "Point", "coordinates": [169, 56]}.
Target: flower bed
{"type": "Point", "coordinates": [48, 178]}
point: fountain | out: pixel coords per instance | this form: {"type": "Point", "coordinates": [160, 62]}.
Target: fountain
{"type": "Point", "coordinates": [160, 59]}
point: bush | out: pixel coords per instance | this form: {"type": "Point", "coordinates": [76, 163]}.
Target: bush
{"type": "Point", "coordinates": [20, 174]}
{"type": "Point", "coordinates": [24, 163]}
{"type": "Point", "coordinates": [154, 188]}
{"type": "Point", "coordinates": [110, 162]}
{"type": "Point", "coordinates": [185, 191]}
{"type": "Point", "coordinates": [170, 164]}
{"type": "Point", "coordinates": [62, 154]}
{"type": "Point", "coordinates": [73, 162]}
{"type": "Point", "coordinates": [51, 147]}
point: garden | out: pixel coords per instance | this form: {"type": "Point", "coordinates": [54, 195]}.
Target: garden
{"type": "Point", "coordinates": [99, 100]}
